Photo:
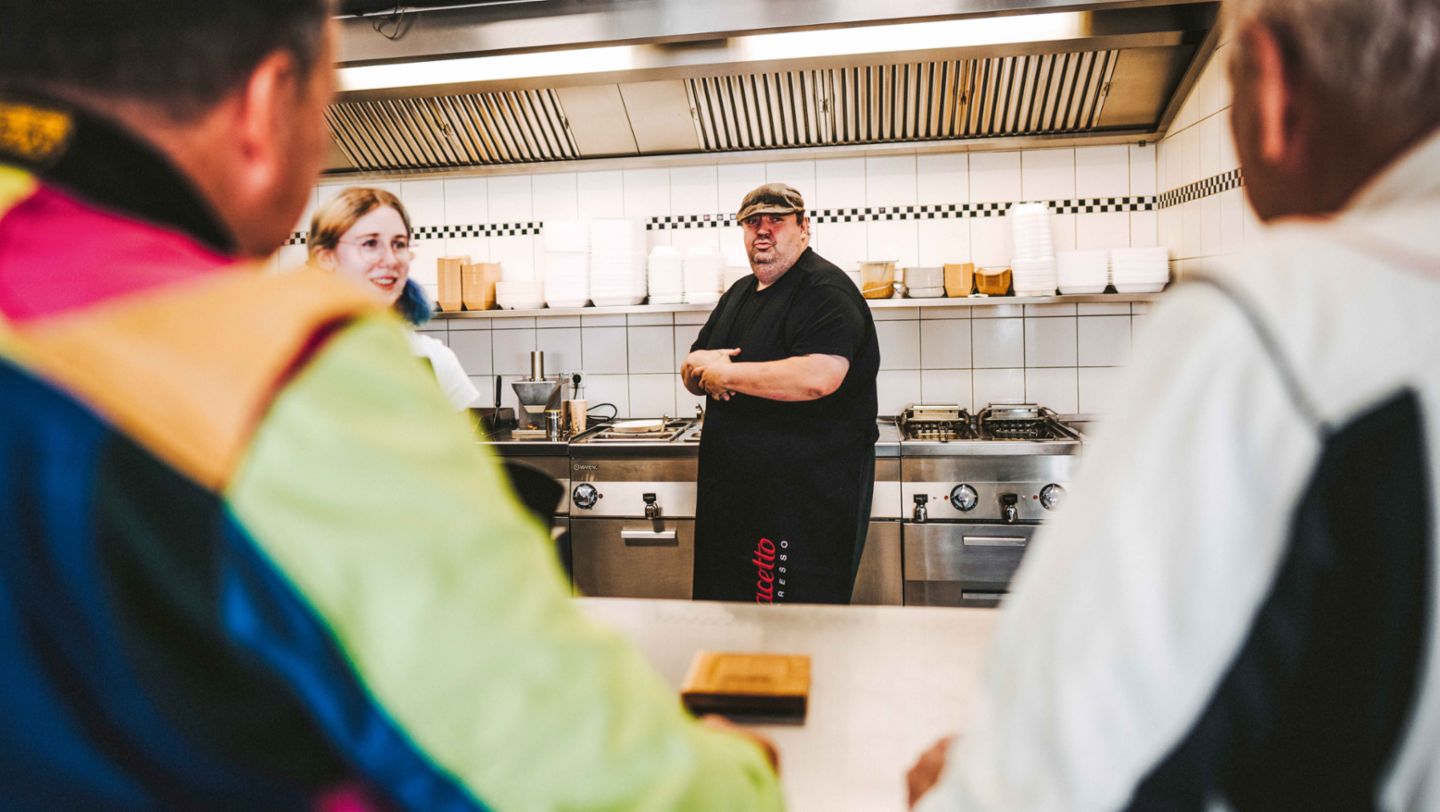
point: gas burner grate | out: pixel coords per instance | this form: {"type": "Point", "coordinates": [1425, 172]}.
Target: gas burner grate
{"type": "Point", "coordinates": [936, 423]}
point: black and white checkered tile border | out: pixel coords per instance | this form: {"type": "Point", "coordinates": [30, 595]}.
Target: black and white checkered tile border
{"type": "Point", "coordinates": [441, 232]}
{"type": "Point", "coordinates": [296, 238]}
{"type": "Point", "coordinates": [1201, 189]}
{"type": "Point", "coordinates": [936, 211]}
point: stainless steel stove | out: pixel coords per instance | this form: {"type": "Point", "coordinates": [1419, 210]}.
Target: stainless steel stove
{"type": "Point", "coordinates": [666, 430]}
{"type": "Point", "coordinates": [976, 488]}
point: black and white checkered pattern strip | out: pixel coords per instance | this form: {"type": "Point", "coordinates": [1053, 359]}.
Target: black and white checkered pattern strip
{"type": "Point", "coordinates": [297, 238]}
{"type": "Point", "coordinates": [422, 233]}
{"type": "Point", "coordinates": [934, 211]}
{"type": "Point", "coordinates": [1201, 189]}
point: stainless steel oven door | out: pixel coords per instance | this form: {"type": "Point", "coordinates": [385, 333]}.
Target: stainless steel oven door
{"type": "Point", "coordinates": [954, 564]}
{"type": "Point", "coordinates": [878, 583]}
{"type": "Point", "coordinates": [633, 558]}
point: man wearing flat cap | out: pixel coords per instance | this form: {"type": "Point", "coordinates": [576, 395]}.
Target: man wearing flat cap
{"type": "Point", "coordinates": [787, 361]}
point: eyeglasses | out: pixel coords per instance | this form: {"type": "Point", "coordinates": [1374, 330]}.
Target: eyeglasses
{"type": "Point", "coordinates": [373, 250]}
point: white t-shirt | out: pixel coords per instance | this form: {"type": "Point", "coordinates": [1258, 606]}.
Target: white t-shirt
{"type": "Point", "coordinates": [452, 378]}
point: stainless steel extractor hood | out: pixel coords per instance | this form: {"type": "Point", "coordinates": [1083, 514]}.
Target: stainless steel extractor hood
{"type": "Point", "coordinates": [555, 80]}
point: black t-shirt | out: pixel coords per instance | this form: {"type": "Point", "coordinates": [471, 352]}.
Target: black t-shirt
{"type": "Point", "coordinates": [813, 308]}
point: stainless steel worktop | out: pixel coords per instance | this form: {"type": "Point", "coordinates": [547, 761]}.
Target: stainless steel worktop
{"type": "Point", "coordinates": [888, 445]}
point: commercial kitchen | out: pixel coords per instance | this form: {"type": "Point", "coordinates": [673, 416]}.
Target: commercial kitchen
{"type": "Point", "coordinates": [523, 136]}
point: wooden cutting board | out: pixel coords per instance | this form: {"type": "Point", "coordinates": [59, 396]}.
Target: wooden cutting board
{"type": "Point", "coordinates": [748, 685]}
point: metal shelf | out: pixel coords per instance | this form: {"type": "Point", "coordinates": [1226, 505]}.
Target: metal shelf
{"type": "Point", "coordinates": [877, 304]}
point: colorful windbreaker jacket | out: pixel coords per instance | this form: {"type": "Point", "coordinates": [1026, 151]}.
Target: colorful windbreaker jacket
{"type": "Point", "coordinates": [248, 553]}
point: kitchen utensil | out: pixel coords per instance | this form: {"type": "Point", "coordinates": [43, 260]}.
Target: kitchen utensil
{"type": "Point", "coordinates": [536, 398]}
{"type": "Point", "coordinates": [992, 281]}
{"type": "Point", "coordinates": [877, 278]}
{"type": "Point", "coordinates": [959, 279]}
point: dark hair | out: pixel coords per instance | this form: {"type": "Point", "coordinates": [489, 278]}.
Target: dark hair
{"type": "Point", "coordinates": [181, 56]}
{"type": "Point", "coordinates": [413, 305]}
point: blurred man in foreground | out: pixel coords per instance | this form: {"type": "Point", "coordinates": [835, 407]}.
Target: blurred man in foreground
{"type": "Point", "coordinates": [1239, 607]}
{"type": "Point", "coordinates": [250, 554]}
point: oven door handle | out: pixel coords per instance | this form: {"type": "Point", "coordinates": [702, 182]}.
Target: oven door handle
{"type": "Point", "coordinates": [994, 541]}
{"type": "Point", "coordinates": [649, 538]}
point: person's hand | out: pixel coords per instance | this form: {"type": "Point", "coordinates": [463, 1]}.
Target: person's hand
{"type": "Point", "coordinates": [926, 772]}
{"type": "Point", "coordinates": [721, 723]}
{"type": "Point", "coordinates": [696, 362]}
{"type": "Point", "coordinates": [714, 379]}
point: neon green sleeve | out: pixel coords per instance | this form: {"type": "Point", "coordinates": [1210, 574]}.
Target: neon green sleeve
{"type": "Point", "coordinates": [370, 494]}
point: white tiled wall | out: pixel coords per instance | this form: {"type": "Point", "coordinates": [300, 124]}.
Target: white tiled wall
{"type": "Point", "coordinates": [1063, 357]}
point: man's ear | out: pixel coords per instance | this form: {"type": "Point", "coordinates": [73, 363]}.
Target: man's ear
{"type": "Point", "coordinates": [1273, 93]}
{"type": "Point", "coordinates": [259, 128]}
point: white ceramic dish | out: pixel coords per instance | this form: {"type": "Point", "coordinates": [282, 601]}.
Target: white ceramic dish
{"type": "Point", "coordinates": [616, 301]}
{"type": "Point", "coordinates": [925, 293]}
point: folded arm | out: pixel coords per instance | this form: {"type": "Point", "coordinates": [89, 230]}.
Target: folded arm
{"type": "Point", "coordinates": [799, 378]}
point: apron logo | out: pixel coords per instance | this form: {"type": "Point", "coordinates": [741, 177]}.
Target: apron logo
{"type": "Point", "coordinates": [769, 578]}
{"type": "Point", "coordinates": [34, 134]}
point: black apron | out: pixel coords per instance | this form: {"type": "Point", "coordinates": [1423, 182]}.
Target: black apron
{"type": "Point", "coordinates": [783, 505]}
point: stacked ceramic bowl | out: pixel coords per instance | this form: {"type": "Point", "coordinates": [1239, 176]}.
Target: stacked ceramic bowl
{"type": "Point", "coordinates": [1082, 271]}
{"type": "Point", "coordinates": [566, 264]}
{"type": "Point", "coordinates": [667, 275]}
{"type": "Point", "coordinates": [1139, 270]}
{"type": "Point", "coordinates": [702, 267]}
{"type": "Point", "coordinates": [617, 262]}
{"type": "Point", "coordinates": [520, 294]}
{"type": "Point", "coordinates": [1032, 256]}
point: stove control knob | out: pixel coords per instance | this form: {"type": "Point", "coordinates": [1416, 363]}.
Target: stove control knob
{"type": "Point", "coordinates": [585, 496]}
{"type": "Point", "coordinates": [964, 498]}
{"type": "Point", "coordinates": [1052, 496]}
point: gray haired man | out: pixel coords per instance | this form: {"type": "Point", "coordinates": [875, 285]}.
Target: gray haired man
{"type": "Point", "coordinates": [1239, 609]}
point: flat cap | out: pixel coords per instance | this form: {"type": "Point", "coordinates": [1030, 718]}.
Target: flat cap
{"type": "Point", "coordinates": [772, 198]}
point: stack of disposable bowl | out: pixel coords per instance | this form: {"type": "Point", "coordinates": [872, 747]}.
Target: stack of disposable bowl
{"type": "Point", "coordinates": [520, 294]}
{"type": "Point", "coordinates": [1082, 271]}
{"type": "Point", "coordinates": [566, 270]}
{"type": "Point", "coordinates": [736, 267]}
{"type": "Point", "coordinates": [617, 262]}
{"type": "Point", "coordinates": [666, 275]}
{"type": "Point", "coordinates": [701, 267]}
{"type": "Point", "coordinates": [1139, 270]}
{"type": "Point", "coordinates": [1032, 250]}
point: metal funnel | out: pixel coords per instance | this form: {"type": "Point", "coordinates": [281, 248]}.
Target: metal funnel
{"type": "Point", "coordinates": [536, 397]}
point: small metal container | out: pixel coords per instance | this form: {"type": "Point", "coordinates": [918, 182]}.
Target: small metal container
{"type": "Point", "coordinates": [553, 429]}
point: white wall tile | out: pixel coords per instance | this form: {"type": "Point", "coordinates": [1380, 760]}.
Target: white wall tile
{"type": "Point", "coordinates": [1097, 389]}
{"type": "Point", "coordinates": [839, 184]}
{"type": "Point", "coordinates": [1210, 133]}
{"type": "Point", "coordinates": [604, 350]}
{"type": "Point", "coordinates": [1190, 155]}
{"type": "Point", "coordinates": [609, 389]}
{"type": "Point", "coordinates": [685, 336]}
{"type": "Point", "coordinates": [1190, 245]}
{"type": "Point", "coordinates": [1107, 230]}
{"type": "Point", "coordinates": [735, 181]}
{"type": "Point", "coordinates": [467, 201]}
{"type": "Point", "coordinates": [649, 319]}
{"type": "Point", "coordinates": [1055, 388]}
{"type": "Point", "coordinates": [516, 255]}
{"type": "Point", "coordinates": [312, 201]}
{"type": "Point", "coordinates": [511, 351]}
{"type": "Point", "coordinates": [692, 317]}
{"type": "Point", "coordinates": [456, 325]}
{"type": "Point", "coordinates": [1104, 341]}
{"type": "Point", "coordinates": [1102, 171]}
{"type": "Point", "coordinates": [552, 322]}
{"type": "Point", "coordinates": [687, 238]}
{"type": "Point", "coordinates": [476, 248]}
{"type": "Point", "coordinates": [946, 386]}
{"type": "Point", "coordinates": [1144, 229]}
{"type": "Point", "coordinates": [945, 344]}
{"type": "Point", "coordinates": [1103, 309]}
{"type": "Point", "coordinates": [1047, 174]}
{"type": "Point", "coordinates": [423, 267]}
{"type": "Point", "coordinates": [599, 194]}
{"type": "Point", "coordinates": [1215, 83]}
{"type": "Point", "coordinates": [602, 319]}
{"type": "Point", "coordinates": [292, 258]}
{"type": "Point", "coordinates": [800, 175]}
{"type": "Point", "coordinates": [1254, 228]}
{"type": "Point", "coordinates": [1229, 160]}
{"type": "Point", "coordinates": [943, 178]}
{"type": "Point", "coordinates": [685, 402]}
{"type": "Point", "coordinates": [995, 177]}
{"type": "Point", "coordinates": [1210, 226]}
{"type": "Point", "coordinates": [1143, 178]}
{"type": "Point", "coordinates": [1232, 221]}
{"type": "Point", "coordinates": [899, 344]}
{"type": "Point", "coordinates": [652, 395]}
{"type": "Point", "coordinates": [486, 385]}
{"type": "Point", "coordinates": [1050, 309]}
{"type": "Point", "coordinates": [1172, 229]}
{"type": "Point", "coordinates": [512, 199]}
{"type": "Point", "coordinates": [943, 241]}
{"type": "Point", "coordinates": [846, 244]}
{"type": "Point", "coordinates": [562, 349]}
{"type": "Point", "coordinates": [997, 343]}
{"type": "Point", "coordinates": [1174, 172]}
{"type": "Point", "coordinates": [894, 239]}
{"type": "Point", "coordinates": [890, 180]}
{"type": "Point", "coordinates": [1062, 226]}
{"type": "Point", "coordinates": [652, 349]}
{"type": "Point", "coordinates": [425, 201]}
{"type": "Point", "coordinates": [694, 190]}
{"type": "Point", "coordinates": [555, 196]}
{"type": "Point", "coordinates": [1050, 342]}
{"type": "Point", "coordinates": [647, 193]}
{"type": "Point", "coordinates": [897, 389]}
{"type": "Point", "coordinates": [997, 311]}
{"type": "Point", "coordinates": [989, 241]}
{"type": "Point", "coordinates": [998, 386]}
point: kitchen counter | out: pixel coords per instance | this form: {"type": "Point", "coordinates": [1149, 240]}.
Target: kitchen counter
{"type": "Point", "coordinates": [886, 682]}
{"type": "Point", "coordinates": [888, 445]}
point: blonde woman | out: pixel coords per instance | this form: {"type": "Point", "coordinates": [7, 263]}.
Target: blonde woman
{"type": "Point", "coordinates": [364, 235]}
